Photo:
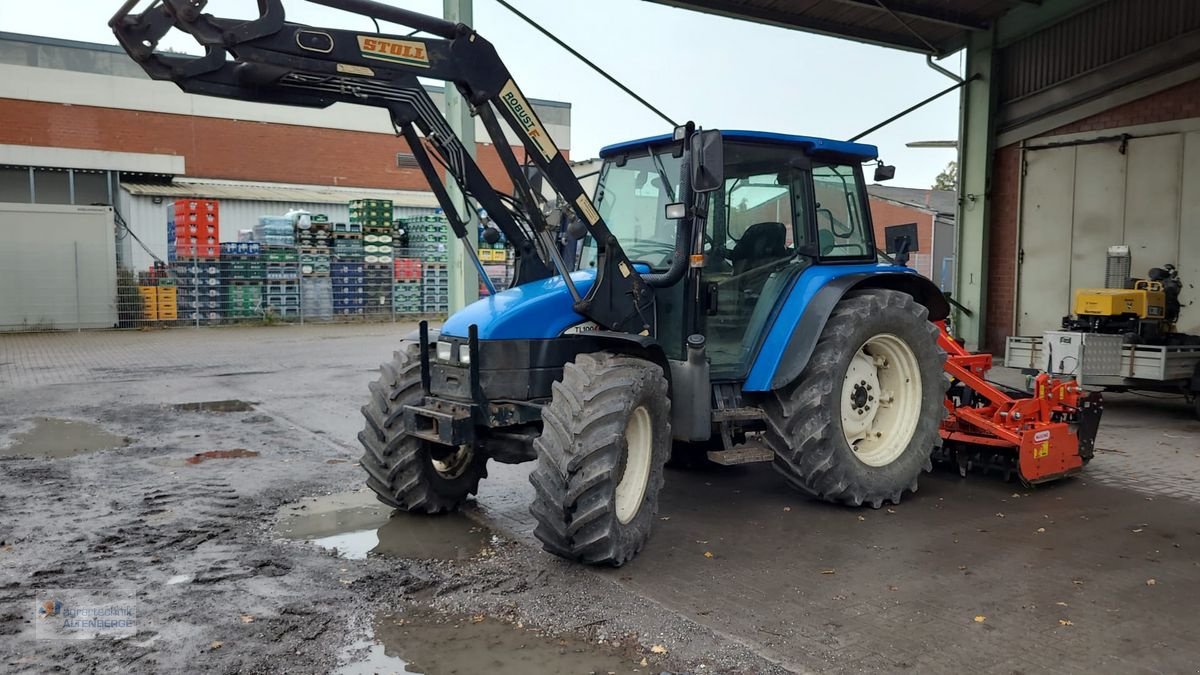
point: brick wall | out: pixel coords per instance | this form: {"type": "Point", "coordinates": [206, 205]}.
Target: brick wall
{"type": "Point", "coordinates": [1002, 246]}
{"type": "Point", "coordinates": [1180, 102]}
{"type": "Point", "coordinates": [232, 149]}
{"type": "Point", "coordinates": [885, 213]}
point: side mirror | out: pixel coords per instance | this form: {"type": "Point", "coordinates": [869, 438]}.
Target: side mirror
{"type": "Point", "coordinates": [708, 161]}
{"type": "Point", "coordinates": [884, 172]}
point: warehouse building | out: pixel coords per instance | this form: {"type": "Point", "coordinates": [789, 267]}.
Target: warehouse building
{"type": "Point", "coordinates": [1079, 130]}
{"type": "Point", "coordinates": [81, 124]}
{"type": "Point", "coordinates": [931, 215]}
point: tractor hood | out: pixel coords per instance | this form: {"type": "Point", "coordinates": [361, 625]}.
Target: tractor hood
{"type": "Point", "coordinates": [534, 311]}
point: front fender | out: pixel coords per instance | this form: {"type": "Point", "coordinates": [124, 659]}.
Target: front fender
{"type": "Point", "coordinates": [798, 325]}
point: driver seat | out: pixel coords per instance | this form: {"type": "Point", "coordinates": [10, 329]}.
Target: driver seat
{"type": "Point", "coordinates": [761, 244]}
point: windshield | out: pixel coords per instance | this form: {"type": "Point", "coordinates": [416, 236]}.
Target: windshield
{"type": "Point", "coordinates": [632, 200]}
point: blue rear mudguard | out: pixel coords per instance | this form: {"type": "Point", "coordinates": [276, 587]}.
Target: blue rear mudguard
{"type": "Point", "coordinates": [805, 306]}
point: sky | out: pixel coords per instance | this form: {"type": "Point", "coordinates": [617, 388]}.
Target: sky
{"type": "Point", "coordinates": [718, 72]}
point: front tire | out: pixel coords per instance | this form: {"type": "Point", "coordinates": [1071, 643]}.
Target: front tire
{"type": "Point", "coordinates": [407, 472]}
{"type": "Point", "coordinates": [605, 438]}
{"type": "Point", "coordinates": [860, 423]}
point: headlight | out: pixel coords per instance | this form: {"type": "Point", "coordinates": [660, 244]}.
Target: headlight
{"type": "Point", "coordinates": [464, 354]}
{"type": "Point", "coordinates": [444, 350]}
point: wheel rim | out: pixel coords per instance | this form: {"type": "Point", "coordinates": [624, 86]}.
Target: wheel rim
{"type": "Point", "coordinates": [631, 490]}
{"type": "Point", "coordinates": [453, 464]}
{"type": "Point", "coordinates": [881, 400]}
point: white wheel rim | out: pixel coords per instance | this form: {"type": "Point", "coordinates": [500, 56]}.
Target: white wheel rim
{"type": "Point", "coordinates": [881, 400]}
{"type": "Point", "coordinates": [631, 490]}
{"type": "Point", "coordinates": [454, 464]}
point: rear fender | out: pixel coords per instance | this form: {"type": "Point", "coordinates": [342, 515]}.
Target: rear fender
{"type": "Point", "coordinates": [798, 325]}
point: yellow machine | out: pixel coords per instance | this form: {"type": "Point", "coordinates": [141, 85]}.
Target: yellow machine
{"type": "Point", "coordinates": [1143, 310]}
{"type": "Point", "coordinates": [1146, 300]}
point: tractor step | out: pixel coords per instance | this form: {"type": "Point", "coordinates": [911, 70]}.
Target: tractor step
{"type": "Point", "coordinates": [745, 453]}
{"type": "Point", "coordinates": [737, 414]}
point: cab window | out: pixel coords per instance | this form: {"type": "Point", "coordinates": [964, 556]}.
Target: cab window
{"type": "Point", "coordinates": [841, 224]}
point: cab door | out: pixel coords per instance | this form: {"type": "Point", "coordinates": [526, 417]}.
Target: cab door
{"type": "Point", "coordinates": [755, 225]}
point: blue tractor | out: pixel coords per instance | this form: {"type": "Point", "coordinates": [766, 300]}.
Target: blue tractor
{"type": "Point", "coordinates": [727, 301]}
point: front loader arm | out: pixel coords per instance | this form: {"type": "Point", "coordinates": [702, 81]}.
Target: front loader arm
{"type": "Point", "coordinates": [270, 60]}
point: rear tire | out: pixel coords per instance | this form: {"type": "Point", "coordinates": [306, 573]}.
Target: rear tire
{"type": "Point", "coordinates": [407, 472]}
{"type": "Point", "coordinates": [878, 351]}
{"type": "Point", "coordinates": [606, 435]}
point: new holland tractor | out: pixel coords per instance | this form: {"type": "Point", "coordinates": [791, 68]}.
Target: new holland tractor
{"type": "Point", "coordinates": [727, 299]}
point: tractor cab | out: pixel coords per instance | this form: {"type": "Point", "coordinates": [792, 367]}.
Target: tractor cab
{"type": "Point", "coordinates": [783, 204]}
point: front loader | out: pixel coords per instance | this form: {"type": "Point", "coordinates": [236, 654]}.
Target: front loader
{"type": "Point", "coordinates": [728, 298]}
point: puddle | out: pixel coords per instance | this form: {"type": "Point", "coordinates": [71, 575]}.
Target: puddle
{"type": "Point", "coordinates": [220, 454]}
{"type": "Point", "coordinates": [231, 405]}
{"type": "Point", "coordinates": [421, 641]}
{"type": "Point", "coordinates": [57, 438]}
{"type": "Point", "coordinates": [356, 525]}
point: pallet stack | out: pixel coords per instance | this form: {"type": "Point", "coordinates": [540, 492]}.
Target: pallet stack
{"type": "Point", "coordinates": [158, 303]}
{"type": "Point", "coordinates": [314, 242]}
{"type": "Point", "coordinates": [243, 271]}
{"type": "Point", "coordinates": [347, 240]}
{"type": "Point", "coordinates": [374, 217]}
{"type": "Point", "coordinates": [193, 229]}
{"type": "Point", "coordinates": [427, 237]}
{"type": "Point", "coordinates": [199, 296]}
{"type": "Point", "coordinates": [406, 289]}
{"type": "Point", "coordinates": [275, 231]}
{"type": "Point", "coordinates": [281, 285]}
{"type": "Point", "coordinates": [435, 288]}
{"type": "Point", "coordinates": [349, 294]}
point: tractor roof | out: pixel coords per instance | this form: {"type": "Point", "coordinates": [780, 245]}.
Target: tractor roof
{"type": "Point", "coordinates": [811, 145]}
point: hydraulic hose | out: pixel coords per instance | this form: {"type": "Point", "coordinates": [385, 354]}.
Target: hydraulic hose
{"type": "Point", "coordinates": [683, 233]}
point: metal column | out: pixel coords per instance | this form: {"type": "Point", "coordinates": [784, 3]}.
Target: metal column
{"type": "Point", "coordinates": [464, 280]}
{"type": "Point", "coordinates": [974, 172]}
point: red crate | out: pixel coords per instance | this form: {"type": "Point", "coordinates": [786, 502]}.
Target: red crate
{"type": "Point", "coordinates": [408, 268]}
{"type": "Point", "coordinates": [190, 250]}
{"type": "Point", "coordinates": [203, 231]}
{"type": "Point", "coordinates": [197, 206]}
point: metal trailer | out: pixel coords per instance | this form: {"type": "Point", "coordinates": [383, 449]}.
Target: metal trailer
{"type": "Point", "coordinates": [1109, 362]}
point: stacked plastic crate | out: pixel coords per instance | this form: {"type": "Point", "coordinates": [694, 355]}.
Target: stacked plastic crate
{"type": "Point", "coordinates": [495, 260]}
{"type": "Point", "coordinates": [194, 235]}
{"type": "Point", "coordinates": [406, 291]}
{"type": "Point", "coordinates": [427, 239]}
{"type": "Point", "coordinates": [281, 287]}
{"type": "Point", "coordinates": [243, 271]}
{"type": "Point", "coordinates": [374, 216]}
{"type": "Point", "coordinates": [314, 238]}
{"type": "Point", "coordinates": [193, 229]}
{"type": "Point", "coordinates": [346, 270]}
{"type": "Point", "coordinates": [200, 296]}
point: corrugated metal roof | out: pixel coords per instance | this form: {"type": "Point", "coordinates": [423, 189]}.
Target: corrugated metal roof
{"type": "Point", "coordinates": [938, 201]}
{"type": "Point", "coordinates": [273, 192]}
{"type": "Point", "coordinates": [929, 26]}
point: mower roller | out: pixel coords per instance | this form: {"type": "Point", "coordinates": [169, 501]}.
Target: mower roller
{"type": "Point", "coordinates": [1039, 436]}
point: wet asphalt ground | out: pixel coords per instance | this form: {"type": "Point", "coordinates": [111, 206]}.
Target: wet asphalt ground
{"type": "Point", "coordinates": [248, 550]}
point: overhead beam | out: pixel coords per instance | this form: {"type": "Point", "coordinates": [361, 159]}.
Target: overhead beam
{"type": "Point", "coordinates": [900, 8]}
{"type": "Point", "coordinates": [732, 10]}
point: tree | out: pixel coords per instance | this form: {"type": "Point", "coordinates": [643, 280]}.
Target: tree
{"type": "Point", "coordinates": [948, 178]}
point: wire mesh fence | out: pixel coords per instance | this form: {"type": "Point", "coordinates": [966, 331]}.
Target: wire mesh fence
{"type": "Point", "coordinates": [266, 284]}
{"type": "Point", "coordinates": [283, 269]}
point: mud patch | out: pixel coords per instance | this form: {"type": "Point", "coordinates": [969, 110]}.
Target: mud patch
{"type": "Point", "coordinates": [355, 525]}
{"type": "Point", "coordinates": [228, 406]}
{"type": "Point", "coordinates": [57, 438]}
{"type": "Point", "coordinates": [235, 453]}
{"type": "Point", "coordinates": [421, 641]}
